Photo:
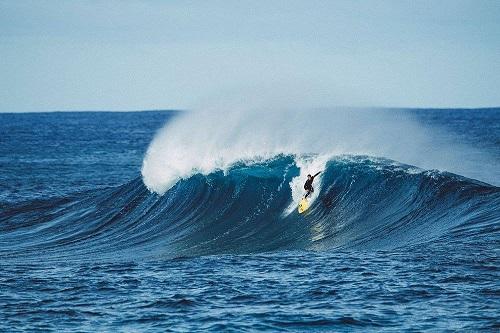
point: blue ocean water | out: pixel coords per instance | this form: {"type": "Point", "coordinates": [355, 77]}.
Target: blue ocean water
{"type": "Point", "coordinates": [85, 246]}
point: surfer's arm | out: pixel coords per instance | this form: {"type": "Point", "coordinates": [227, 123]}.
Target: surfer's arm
{"type": "Point", "coordinates": [317, 174]}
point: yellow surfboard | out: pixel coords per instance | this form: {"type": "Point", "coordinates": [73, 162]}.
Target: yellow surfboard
{"type": "Point", "coordinates": [303, 205]}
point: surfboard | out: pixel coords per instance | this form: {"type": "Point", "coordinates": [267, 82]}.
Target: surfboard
{"type": "Point", "coordinates": [303, 205]}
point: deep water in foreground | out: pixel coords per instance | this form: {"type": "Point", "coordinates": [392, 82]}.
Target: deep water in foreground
{"type": "Point", "coordinates": [385, 246]}
{"type": "Point", "coordinates": [290, 291]}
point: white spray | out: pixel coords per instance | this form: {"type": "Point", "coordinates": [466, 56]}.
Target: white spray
{"type": "Point", "coordinates": [208, 140]}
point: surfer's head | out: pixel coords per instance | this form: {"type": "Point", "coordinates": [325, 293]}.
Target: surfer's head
{"type": "Point", "coordinates": [309, 176]}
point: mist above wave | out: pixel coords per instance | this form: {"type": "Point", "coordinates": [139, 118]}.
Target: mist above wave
{"type": "Point", "coordinates": [207, 140]}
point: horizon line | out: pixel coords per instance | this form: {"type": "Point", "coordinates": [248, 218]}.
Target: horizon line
{"type": "Point", "coordinates": [186, 110]}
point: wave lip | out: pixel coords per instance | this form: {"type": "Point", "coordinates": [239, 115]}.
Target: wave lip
{"type": "Point", "coordinates": [361, 203]}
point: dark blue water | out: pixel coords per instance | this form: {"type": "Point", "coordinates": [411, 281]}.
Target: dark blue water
{"type": "Point", "coordinates": [84, 246]}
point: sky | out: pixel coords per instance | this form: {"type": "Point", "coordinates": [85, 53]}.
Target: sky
{"type": "Point", "coordinates": [136, 55]}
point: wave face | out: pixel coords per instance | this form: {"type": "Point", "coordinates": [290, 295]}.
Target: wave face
{"type": "Point", "coordinates": [359, 203]}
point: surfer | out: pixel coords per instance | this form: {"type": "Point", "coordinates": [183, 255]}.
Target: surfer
{"type": "Point", "coordinates": [308, 185]}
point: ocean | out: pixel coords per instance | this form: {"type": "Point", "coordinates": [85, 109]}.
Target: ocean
{"type": "Point", "coordinates": [161, 221]}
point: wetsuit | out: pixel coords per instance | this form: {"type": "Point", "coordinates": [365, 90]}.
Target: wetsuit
{"type": "Point", "coordinates": [308, 185]}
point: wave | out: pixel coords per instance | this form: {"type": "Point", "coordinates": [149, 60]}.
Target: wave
{"type": "Point", "coordinates": [360, 202]}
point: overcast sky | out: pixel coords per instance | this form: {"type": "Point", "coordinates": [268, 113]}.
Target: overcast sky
{"type": "Point", "coordinates": [134, 55]}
